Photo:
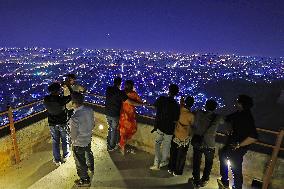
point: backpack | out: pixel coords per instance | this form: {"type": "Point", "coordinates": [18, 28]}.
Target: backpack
{"type": "Point", "coordinates": [197, 140]}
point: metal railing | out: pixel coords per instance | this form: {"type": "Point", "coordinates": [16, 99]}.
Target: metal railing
{"type": "Point", "coordinates": [12, 122]}
{"type": "Point", "coordinates": [267, 176]}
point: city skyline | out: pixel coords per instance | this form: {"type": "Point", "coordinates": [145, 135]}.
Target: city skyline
{"type": "Point", "coordinates": [253, 28]}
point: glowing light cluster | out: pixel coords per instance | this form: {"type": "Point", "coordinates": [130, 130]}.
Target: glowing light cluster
{"type": "Point", "coordinates": [25, 73]}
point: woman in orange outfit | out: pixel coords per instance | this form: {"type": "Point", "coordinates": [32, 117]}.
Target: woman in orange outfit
{"type": "Point", "coordinates": [127, 120]}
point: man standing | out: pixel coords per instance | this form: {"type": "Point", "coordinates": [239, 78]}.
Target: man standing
{"type": "Point", "coordinates": [57, 120]}
{"type": "Point", "coordinates": [114, 99]}
{"type": "Point", "coordinates": [242, 135]}
{"type": "Point", "coordinates": [81, 126]}
{"type": "Point", "coordinates": [205, 130]}
{"type": "Point", "coordinates": [167, 114]}
{"type": "Point", "coordinates": [69, 86]}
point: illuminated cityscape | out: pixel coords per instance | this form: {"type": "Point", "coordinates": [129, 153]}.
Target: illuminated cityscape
{"type": "Point", "coordinates": [26, 73]}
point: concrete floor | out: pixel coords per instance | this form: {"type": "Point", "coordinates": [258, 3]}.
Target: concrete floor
{"type": "Point", "coordinates": [112, 170]}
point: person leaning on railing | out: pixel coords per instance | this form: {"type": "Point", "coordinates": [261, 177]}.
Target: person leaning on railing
{"type": "Point", "coordinates": [206, 123]}
{"type": "Point", "coordinates": [181, 138]}
{"type": "Point", "coordinates": [168, 111]}
{"type": "Point", "coordinates": [243, 133]}
{"type": "Point", "coordinates": [55, 105]}
{"type": "Point", "coordinates": [114, 99]}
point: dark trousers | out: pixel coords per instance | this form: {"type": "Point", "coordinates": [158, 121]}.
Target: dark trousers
{"type": "Point", "coordinates": [236, 159]}
{"type": "Point", "coordinates": [177, 158]}
{"type": "Point", "coordinates": [84, 160]}
{"type": "Point", "coordinates": [197, 155]}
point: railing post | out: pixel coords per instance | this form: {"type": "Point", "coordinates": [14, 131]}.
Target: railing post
{"type": "Point", "coordinates": [272, 162]}
{"type": "Point", "coordinates": [13, 135]}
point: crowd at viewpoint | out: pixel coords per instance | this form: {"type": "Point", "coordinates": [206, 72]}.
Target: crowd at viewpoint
{"type": "Point", "coordinates": [176, 127]}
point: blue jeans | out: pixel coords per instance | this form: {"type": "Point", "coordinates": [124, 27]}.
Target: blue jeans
{"type": "Point", "coordinates": [59, 132]}
{"type": "Point", "coordinates": [113, 132]}
{"type": "Point", "coordinates": [164, 140]}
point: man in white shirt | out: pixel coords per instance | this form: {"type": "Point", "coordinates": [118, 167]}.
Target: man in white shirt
{"type": "Point", "coordinates": [70, 86]}
{"type": "Point", "coordinates": [81, 126]}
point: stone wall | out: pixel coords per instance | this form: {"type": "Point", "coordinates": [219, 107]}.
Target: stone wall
{"type": "Point", "coordinates": [28, 138]}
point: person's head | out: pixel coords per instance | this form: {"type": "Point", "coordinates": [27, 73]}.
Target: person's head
{"type": "Point", "coordinates": [211, 105]}
{"type": "Point", "coordinates": [188, 103]}
{"type": "Point", "coordinates": [129, 86]}
{"type": "Point", "coordinates": [77, 99]}
{"type": "Point", "coordinates": [244, 102]}
{"type": "Point", "coordinates": [54, 88]}
{"type": "Point", "coordinates": [117, 82]}
{"type": "Point", "coordinates": [71, 78]}
{"type": "Point", "coordinates": [173, 90]}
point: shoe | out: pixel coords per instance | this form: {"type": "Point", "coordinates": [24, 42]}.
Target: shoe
{"type": "Point", "coordinates": [132, 151]}
{"type": "Point", "coordinates": [122, 151]}
{"type": "Point", "coordinates": [155, 168]}
{"type": "Point", "coordinates": [203, 182]}
{"type": "Point", "coordinates": [194, 183]}
{"type": "Point", "coordinates": [91, 170]}
{"type": "Point", "coordinates": [175, 175]}
{"type": "Point", "coordinates": [82, 182]}
{"type": "Point", "coordinates": [170, 172]}
{"type": "Point", "coordinates": [65, 158]}
{"type": "Point", "coordinates": [196, 186]}
{"type": "Point", "coordinates": [163, 164]}
{"type": "Point", "coordinates": [110, 150]}
{"type": "Point", "coordinates": [57, 163]}
{"type": "Point", "coordinates": [221, 185]}
{"type": "Point", "coordinates": [92, 173]}
{"type": "Point", "coordinates": [113, 149]}
{"type": "Point", "coordinates": [116, 147]}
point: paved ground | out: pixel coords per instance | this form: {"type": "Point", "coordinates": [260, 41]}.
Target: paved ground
{"type": "Point", "coordinates": [112, 170]}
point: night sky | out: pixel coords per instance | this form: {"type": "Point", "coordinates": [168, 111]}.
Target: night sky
{"type": "Point", "coordinates": [243, 27]}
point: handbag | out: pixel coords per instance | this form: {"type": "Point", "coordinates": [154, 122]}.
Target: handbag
{"type": "Point", "coordinates": [197, 140]}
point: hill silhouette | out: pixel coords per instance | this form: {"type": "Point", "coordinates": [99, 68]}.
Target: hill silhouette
{"type": "Point", "coordinates": [268, 109]}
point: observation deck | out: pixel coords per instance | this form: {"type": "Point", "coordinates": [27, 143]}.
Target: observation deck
{"type": "Point", "coordinates": [26, 157]}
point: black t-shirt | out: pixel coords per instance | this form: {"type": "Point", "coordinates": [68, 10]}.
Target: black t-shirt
{"type": "Point", "coordinates": [243, 126]}
{"type": "Point", "coordinates": [56, 109]}
{"type": "Point", "coordinates": [114, 99]}
{"type": "Point", "coordinates": [167, 113]}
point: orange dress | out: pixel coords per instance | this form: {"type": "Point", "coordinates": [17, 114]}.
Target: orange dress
{"type": "Point", "coordinates": [127, 120]}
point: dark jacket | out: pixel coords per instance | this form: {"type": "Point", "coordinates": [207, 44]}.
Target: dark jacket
{"type": "Point", "coordinates": [167, 114]}
{"type": "Point", "coordinates": [243, 126]}
{"type": "Point", "coordinates": [206, 124]}
{"type": "Point", "coordinates": [56, 109]}
{"type": "Point", "coordinates": [114, 99]}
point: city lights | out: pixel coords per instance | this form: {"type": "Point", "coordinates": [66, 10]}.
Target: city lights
{"type": "Point", "coordinates": [25, 73]}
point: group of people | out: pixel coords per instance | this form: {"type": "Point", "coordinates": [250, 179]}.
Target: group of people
{"type": "Point", "coordinates": [120, 114]}
{"type": "Point", "coordinates": [176, 127]}
{"type": "Point", "coordinates": [71, 123]}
